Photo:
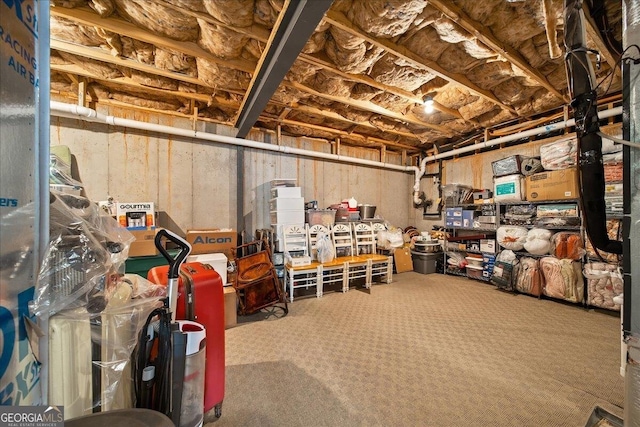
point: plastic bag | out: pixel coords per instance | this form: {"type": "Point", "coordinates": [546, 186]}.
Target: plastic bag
{"type": "Point", "coordinates": [85, 251]}
{"type": "Point", "coordinates": [75, 367]}
{"type": "Point", "coordinates": [324, 246]}
{"type": "Point", "coordinates": [568, 245]}
{"type": "Point", "coordinates": [560, 154]}
{"type": "Point", "coordinates": [512, 237]}
{"type": "Point", "coordinates": [538, 242]}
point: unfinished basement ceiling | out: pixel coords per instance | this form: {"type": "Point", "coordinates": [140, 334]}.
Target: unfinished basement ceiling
{"type": "Point", "coordinates": [361, 76]}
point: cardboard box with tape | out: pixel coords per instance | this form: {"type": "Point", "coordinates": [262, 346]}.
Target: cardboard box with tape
{"type": "Point", "coordinates": [553, 185]}
{"type": "Point", "coordinates": [213, 240]}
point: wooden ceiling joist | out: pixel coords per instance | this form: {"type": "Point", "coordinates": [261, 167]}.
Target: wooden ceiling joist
{"type": "Point", "coordinates": [343, 133]}
{"type": "Point", "coordinates": [86, 16]}
{"type": "Point", "coordinates": [336, 116]}
{"type": "Point", "coordinates": [126, 81]}
{"type": "Point", "coordinates": [340, 21]}
{"type": "Point", "coordinates": [371, 107]}
{"type": "Point", "coordinates": [101, 55]}
{"type": "Point", "coordinates": [485, 36]}
{"type": "Point", "coordinates": [594, 34]}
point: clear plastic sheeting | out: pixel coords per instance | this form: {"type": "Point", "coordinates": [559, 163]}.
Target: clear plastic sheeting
{"type": "Point", "coordinates": [560, 154]}
{"type": "Point", "coordinates": [90, 351]}
{"type": "Point", "coordinates": [86, 249]}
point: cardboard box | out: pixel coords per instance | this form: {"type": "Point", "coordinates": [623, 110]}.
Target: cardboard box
{"type": "Point", "coordinates": [508, 188]}
{"type": "Point", "coordinates": [144, 245]}
{"type": "Point", "coordinates": [136, 216]}
{"type": "Point", "coordinates": [553, 185]}
{"type": "Point", "coordinates": [402, 260]}
{"type": "Point", "coordinates": [488, 246]}
{"type": "Point", "coordinates": [230, 307]}
{"type": "Point", "coordinates": [212, 240]}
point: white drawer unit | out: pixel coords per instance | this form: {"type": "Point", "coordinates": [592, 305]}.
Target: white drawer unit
{"type": "Point", "coordinates": [286, 192]}
{"type": "Point", "coordinates": [287, 217]}
{"type": "Point", "coordinates": [287, 204]}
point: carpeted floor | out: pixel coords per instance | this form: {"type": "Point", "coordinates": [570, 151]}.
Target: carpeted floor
{"type": "Point", "coordinates": [426, 350]}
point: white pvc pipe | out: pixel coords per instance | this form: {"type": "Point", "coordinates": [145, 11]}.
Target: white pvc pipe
{"type": "Point", "coordinates": [76, 111]}
{"type": "Point", "coordinates": [90, 115]}
{"type": "Point", "coordinates": [524, 134]}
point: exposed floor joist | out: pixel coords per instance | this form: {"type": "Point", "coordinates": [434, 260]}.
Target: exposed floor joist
{"type": "Point", "coordinates": [454, 13]}
{"type": "Point", "coordinates": [372, 108]}
{"type": "Point", "coordinates": [339, 20]}
{"type": "Point", "coordinates": [86, 16]}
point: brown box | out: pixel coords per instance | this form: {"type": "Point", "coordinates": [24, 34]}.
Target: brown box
{"type": "Point", "coordinates": [212, 240]}
{"type": "Point", "coordinates": [402, 259]}
{"type": "Point", "coordinates": [144, 245]}
{"type": "Point", "coordinates": [553, 185]}
{"type": "Point", "coordinates": [230, 307]}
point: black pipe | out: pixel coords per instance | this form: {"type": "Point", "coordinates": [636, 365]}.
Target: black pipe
{"type": "Point", "coordinates": [584, 104]}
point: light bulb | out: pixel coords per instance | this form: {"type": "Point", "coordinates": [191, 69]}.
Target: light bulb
{"type": "Point", "coordinates": [428, 105]}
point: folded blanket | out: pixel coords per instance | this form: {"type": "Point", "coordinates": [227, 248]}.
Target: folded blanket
{"type": "Point", "coordinates": [561, 280]}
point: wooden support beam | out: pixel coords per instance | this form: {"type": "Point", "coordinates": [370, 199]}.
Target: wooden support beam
{"type": "Point", "coordinates": [594, 34]}
{"type": "Point", "coordinates": [101, 55]}
{"type": "Point", "coordinates": [86, 16]}
{"type": "Point", "coordinates": [342, 133]}
{"type": "Point", "coordinates": [82, 92]}
{"type": "Point", "coordinates": [255, 31]}
{"type": "Point", "coordinates": [364, 79]}
{"type": "Point", "coordinates": [279, 134]}
{"type": "Point", "coordinates": [340, 21]}
{"type": "Point", "coordinates": [383, 154]}
{"type": "Point", "coordinates": [453, 12]}
{"type": "Point", "coordinates": [404, 158]}
{"type": "Point", "coordinates": [126, 81]}
{"type": "Point", "coordinates": [333, 115]}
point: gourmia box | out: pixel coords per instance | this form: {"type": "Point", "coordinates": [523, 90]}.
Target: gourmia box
{"type": "Point", "coordinates": [137, 216]}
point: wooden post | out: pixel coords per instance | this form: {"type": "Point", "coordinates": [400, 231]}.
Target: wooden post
{"type": "Point", "coordinates": [82, 92]}
{"type": "Point", "coordinates": [404, 157]}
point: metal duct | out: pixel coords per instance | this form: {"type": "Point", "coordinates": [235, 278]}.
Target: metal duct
{"type": "Point", "coordinates": [631, 224]}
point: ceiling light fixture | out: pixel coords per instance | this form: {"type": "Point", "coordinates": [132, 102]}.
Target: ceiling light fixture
{"type": "Point", "coordinates": [428, 104]}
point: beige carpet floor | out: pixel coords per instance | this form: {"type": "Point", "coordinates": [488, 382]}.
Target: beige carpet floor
{"type": "Point", "coordinates": [426, 350]}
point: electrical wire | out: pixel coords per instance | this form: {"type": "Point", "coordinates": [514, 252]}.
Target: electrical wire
{"type": "Point", "coordinates": [620, 141]}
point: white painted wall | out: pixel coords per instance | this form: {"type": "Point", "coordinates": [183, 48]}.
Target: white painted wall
{"type": "Point", "coordinates": [195, 183]}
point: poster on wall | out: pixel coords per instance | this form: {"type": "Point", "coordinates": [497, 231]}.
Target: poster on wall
{"type": "Point", "coordinates": [19, 200]}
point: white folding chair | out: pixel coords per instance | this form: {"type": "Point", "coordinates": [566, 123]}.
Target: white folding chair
{"type": "Point", "coordinates": [299, 276]}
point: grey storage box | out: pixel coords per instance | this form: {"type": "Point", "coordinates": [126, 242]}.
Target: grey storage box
{"type": "Point", "coordinates": [425, 263]}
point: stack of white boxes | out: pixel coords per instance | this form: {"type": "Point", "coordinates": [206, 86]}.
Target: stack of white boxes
{"type": "Point", "coordinates": [286, 207]}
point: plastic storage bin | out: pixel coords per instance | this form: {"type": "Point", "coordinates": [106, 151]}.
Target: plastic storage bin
{"type": "Point", "coordinates": [324, 217]}
{"type": "Point", "coordinates": [425, 263]}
